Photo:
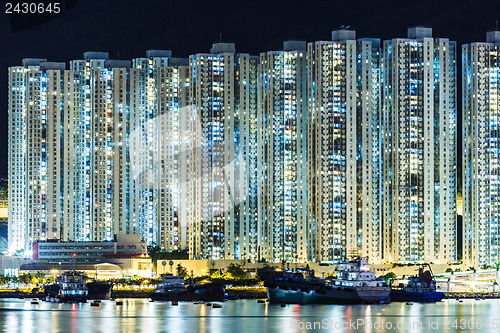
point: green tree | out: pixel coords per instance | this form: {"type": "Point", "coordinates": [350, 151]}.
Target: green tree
{"type": "Point", "coordinates": [181, 270]}
{"type": "Point", "coordinates": [449, 270]}
{"type": "Point", "coordinates": [389, 277]}
{"type": "Point", "coordinates": [3, 280]}
{"type": "Point", "coordinates": [236, 271]}
{"type": "Point", "coordinates": [217, 275]}
{"type": "Point", "coordinates": [41, 277]}
{"type": "Point", "coordinates": [153, 250]}
{"type": "Point", "coordinates": [25, 278]}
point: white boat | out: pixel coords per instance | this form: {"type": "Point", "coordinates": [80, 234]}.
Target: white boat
{"type": "Point", "coordinates": [355, 283]}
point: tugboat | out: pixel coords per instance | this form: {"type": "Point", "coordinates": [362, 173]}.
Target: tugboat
{"type": "Point", "coordinates": [72, 286]}
{"type": "Point", "coordinates": [69, 287]}
{"type": "Point", "coordinates": [99, 290]}
{"type": "Point", "coordinates": [355, 283]}
{"type": "Point", "coordinates": [173, 288]}
{"type": "Point", "coordinates": [420, 288]}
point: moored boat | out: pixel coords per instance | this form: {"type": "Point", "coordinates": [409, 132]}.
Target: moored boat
{"type": "Point", "coordinates": [68, 287]}
{"type": "Point", "coordinates": [355, 283]}
{"type": "Point", "coordinates": [99, 290]}
{"type": "Point", "coordinates": [420, 288]}
{"type": "Point", "coordinates": [173, 288]}
{"type": "Point", "coordinates": [74, 286]}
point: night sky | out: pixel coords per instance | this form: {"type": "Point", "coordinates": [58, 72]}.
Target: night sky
{"type": "Point", "coordinates": [129, 28]}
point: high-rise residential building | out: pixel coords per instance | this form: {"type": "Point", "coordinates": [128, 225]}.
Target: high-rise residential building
{"type": "Point", "coordinates": [159, 148]}
{"type": "Point", "coordinates": [99, 128]}
{"type": "Point", "coordinates": [100, 149]}
{"type": "Point", "coordinates": [419, 162]}
{"type": "Point", "coordinates": [36, 92]}
{"type": "Point", "coordinates": [144, 144]}
{"type": "Point", "coordinates": [369, 149]}
{"type": "Point", "coordinates": [344, 147]}
{"type": "Point", "coordinates": [223, 95]}
{"type": "Point", "coordinates": [481, 159]}
{"type": "Point", "coordinates": [318, 152]}
{"type": "Point", "coordinates": [283, 154]}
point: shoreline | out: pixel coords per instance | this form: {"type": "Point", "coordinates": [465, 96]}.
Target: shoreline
{"type": "Point", "coordinates": [471, 295]}
{"type": "Point", "coordinates": [240, 293]}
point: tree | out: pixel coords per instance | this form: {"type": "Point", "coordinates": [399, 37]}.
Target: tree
{"type": "Point", "coordinates": [153, 249]}
{"type": "Point", "coordinates": [217, 275]}
{"type": "Point", "coordinates": [181, 270]}
{"type": "Point", "coordinates": [389, 277]}
{"type": "Point", "coordinates": [236, 271]}
{"type": "Point", "coordinates": [449, 270]}
{"type": "Point", "coordinates": [25, 278]}
{"type": "Point", "coordinates": [40, 277]}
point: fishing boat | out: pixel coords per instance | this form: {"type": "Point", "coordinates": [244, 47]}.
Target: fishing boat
{"type": "Point", "coordinates": [74, 286]}
{"type": "Point", "coordinates": [420, 288]}
{"type": "Point", "coordinates": [355, 283]}
{"type": "Point", "coordinates": [69, 287]}
{"type": "Point", "coordinates": [173, 288]}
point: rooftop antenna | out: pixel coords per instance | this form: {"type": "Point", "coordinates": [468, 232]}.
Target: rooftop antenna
{"type": "Point", "coordinates": [118, 55]}
{"type": "Point", "coordinates": [220, 37]}
{"type": "Point", "coordinates": [97, 46]}
{"type": "Point", "coordinates": [496, 25]}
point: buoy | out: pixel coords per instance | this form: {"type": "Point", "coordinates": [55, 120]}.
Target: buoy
{"type": "Point", "coordinates": [216, 306]}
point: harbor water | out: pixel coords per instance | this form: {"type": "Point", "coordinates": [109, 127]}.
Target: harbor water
{"type": "Point", "coordinates": [140, 315]}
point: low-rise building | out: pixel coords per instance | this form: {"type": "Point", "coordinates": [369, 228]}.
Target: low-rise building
{"type": "Point", "coordinates": [104, 271]}
{"type": "Point", "coordinates": [55, 251]}
{"type": "Point", "coordinates": [131, 264]}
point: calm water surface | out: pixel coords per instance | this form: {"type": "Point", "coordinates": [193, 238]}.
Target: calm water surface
{"type": "Point", "coordinates": [139, 315]}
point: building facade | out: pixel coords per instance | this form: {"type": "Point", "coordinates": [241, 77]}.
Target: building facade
{"type": "Point", "coordinates": [94, 150]}
{"type": "Point", "coordinates": [481, 182]}
{"type": "Point", "coordinates": [283, 153]}
{"type": "Point", "coordinates": [223, 95]}
{"type": "Point", "coordinates": [344, 162]}
{"type": "Point", "coordinates": [159, 149]}
{"type": "Point", "coordinates": [319, 152]}
{"type": "Point", "coordinates": [99, 128]}
{"type": "Point", "coordinates": [88, 252]}
{"type": "Point", "coordinates": [36, 92]}
{"type": "Point", "coordinates": [419, 162]}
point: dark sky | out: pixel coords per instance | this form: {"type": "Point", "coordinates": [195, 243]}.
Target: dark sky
{"type": "Point", "coordinates": [131, 27]}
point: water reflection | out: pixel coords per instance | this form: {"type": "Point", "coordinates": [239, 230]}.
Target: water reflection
{"type": "Point", "coordinates": [248, 316]}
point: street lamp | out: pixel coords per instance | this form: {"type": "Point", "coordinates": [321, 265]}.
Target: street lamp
{"type": "Point", "coordinates": [54, 271]}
